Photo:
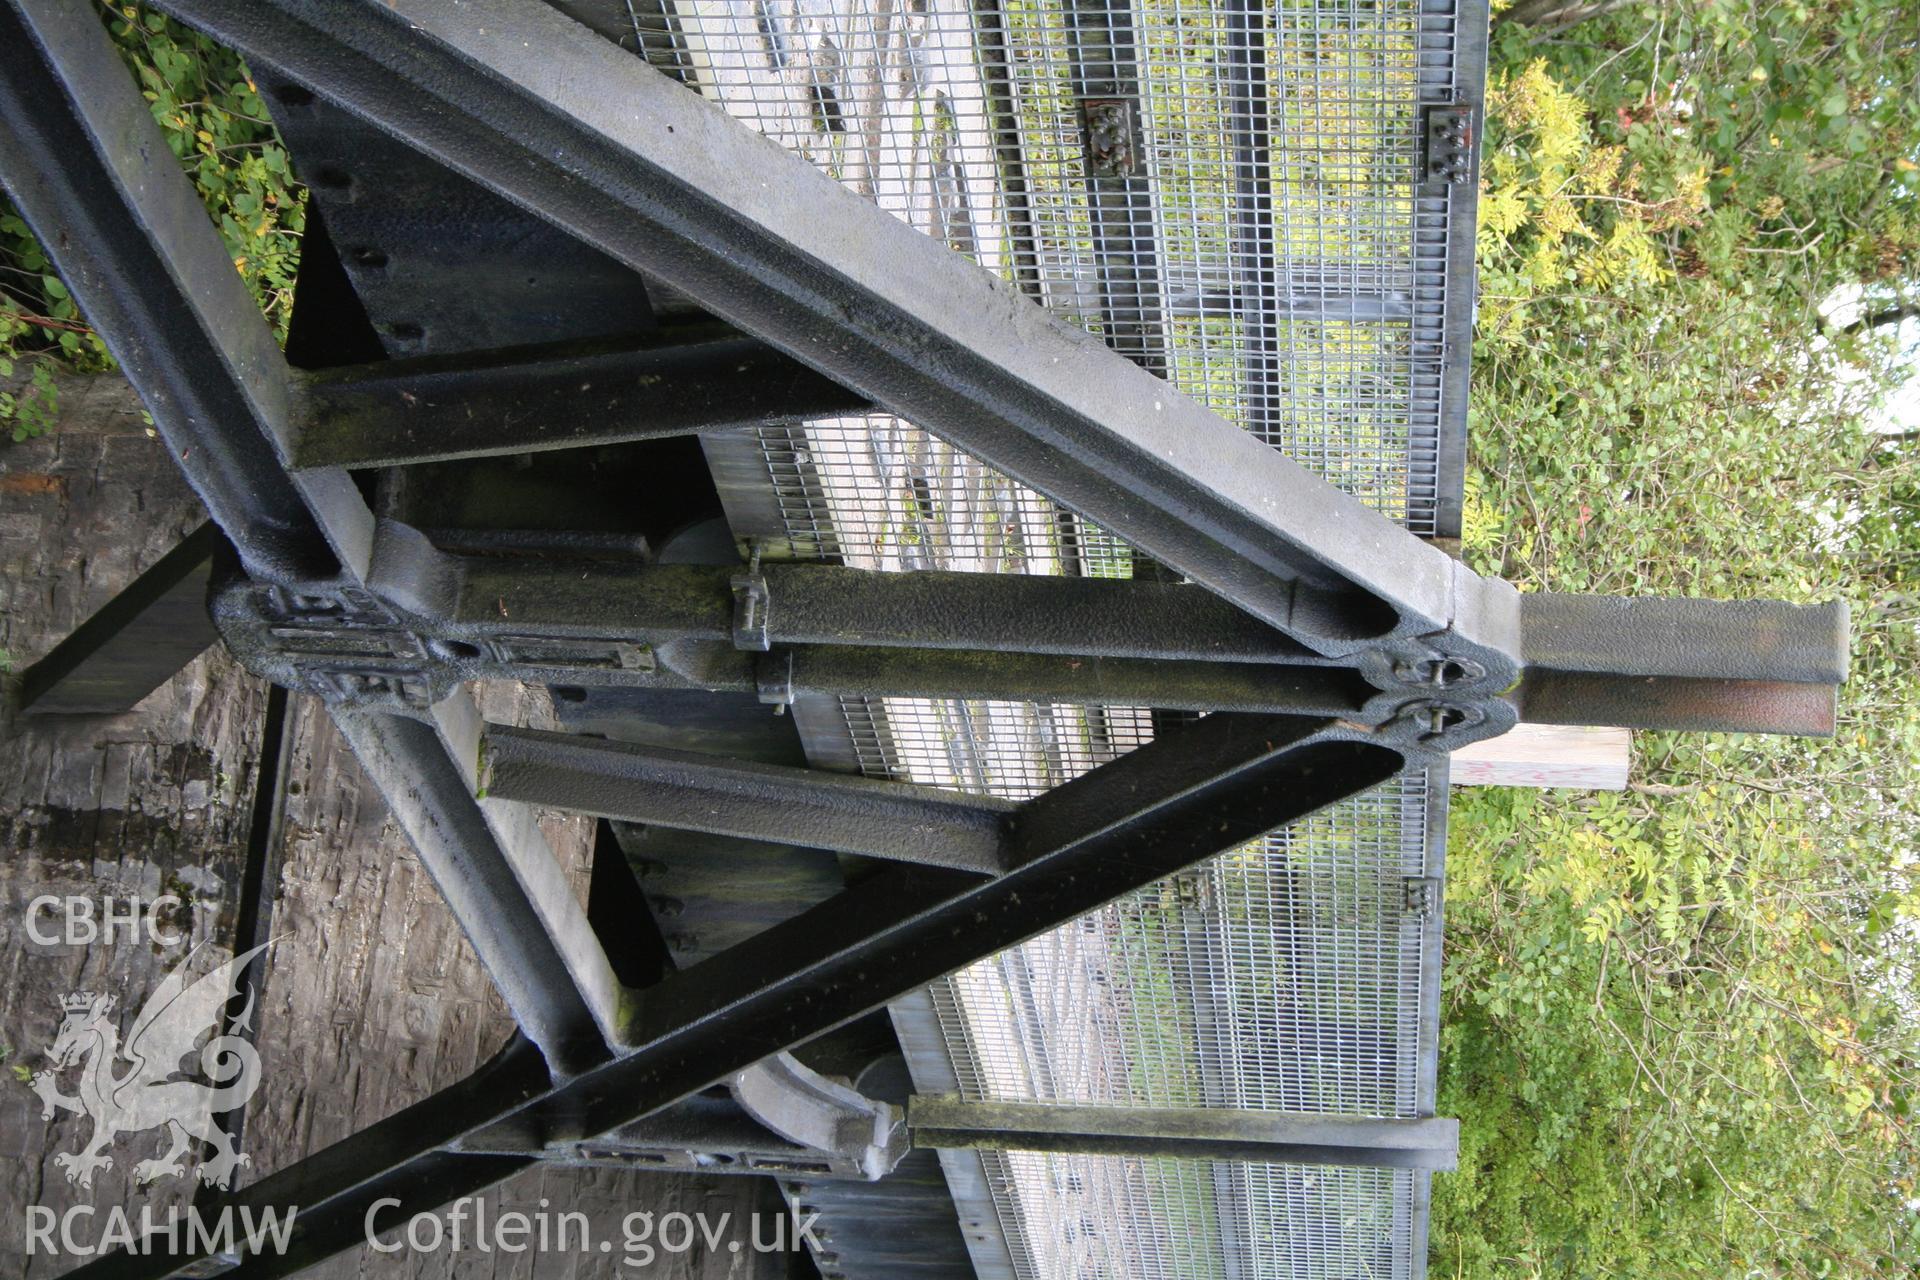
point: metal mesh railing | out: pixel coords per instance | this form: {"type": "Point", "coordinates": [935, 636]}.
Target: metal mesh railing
{"type": "Point", "coordinates": [876, 493]}
{"type": "Point", "coordinates": [1263, 248]}
{"type": "Point", "coordinates": [1247, 225]}
{"type": "Point", "coordinates": [1120, 1216]}
{"type": "Point", "coordinates": [1285, 975]}
{"type": "Point", "coordinates": [1010, 749]}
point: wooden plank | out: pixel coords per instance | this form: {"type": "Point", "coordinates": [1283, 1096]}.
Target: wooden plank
{"type": "Point", "coordinates": [1547, 755]}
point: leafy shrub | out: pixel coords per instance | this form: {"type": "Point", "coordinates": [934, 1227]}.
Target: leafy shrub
{"type": "Point", "coordinates": [211, 114]}
{"type": "Point", "coordinates": [1679, 1025]}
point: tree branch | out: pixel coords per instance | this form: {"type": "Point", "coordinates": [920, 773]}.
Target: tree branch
{"type": "Point", "coordinates": [1884, 317]}
{"type": "Point", "coordinates": [1553, 14]}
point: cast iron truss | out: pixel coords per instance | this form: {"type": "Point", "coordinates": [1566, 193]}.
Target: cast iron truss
{"type": "Point", "coordinates": [1332, 648]}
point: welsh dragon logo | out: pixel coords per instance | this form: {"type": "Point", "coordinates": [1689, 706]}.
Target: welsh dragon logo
{"type": "Point", "coordinates": [145, 1095]}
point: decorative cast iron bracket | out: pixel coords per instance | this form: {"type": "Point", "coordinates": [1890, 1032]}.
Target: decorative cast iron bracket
{"type": "Point", "coordinates": [426, 621]}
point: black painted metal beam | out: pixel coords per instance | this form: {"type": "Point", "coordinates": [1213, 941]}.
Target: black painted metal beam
{"type": "Point", "coordinates": [550, 115]}
{"type": "Point", "coordinates": [134, 643]}
{"type": "Point", "coordinates": [1207, 786]}
{"type": "Point", "coordinates": [426, 410]}
{"type": "Point", "coordinates": [689, 791]}
{"type": "Point", "coordinates": [1670, 703]}
{"type": "Point", "coordinates": [1689, 639]}
{"type": "Point", "coordinates": [1754, 666]}
{"type": "Point", "coordinates": [1165, 806]}
{"type": "Point", "coordinates": [1650, 663]}
{"type": "Point", "coordinates": [1116, 618]}
{"type": "Point", "coordinates": [817, 604]}
{"type": "Point", "coordinates": [686, 1138]}
{"type": "Point", "coordinates": [1076, 680]}
{"type": "Point", "coordinates": [499, 878]}
{"type": "Point", "coordinates": [259, 886]}
{"type": "Point", "coordinates": [1195, 1133]}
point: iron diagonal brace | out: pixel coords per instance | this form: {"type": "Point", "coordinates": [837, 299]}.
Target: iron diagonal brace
{"type": "Point", "coordinates": [1207, 786]}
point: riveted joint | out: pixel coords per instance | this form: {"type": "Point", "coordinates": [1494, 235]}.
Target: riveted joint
{"type": "Point", "coordinates": [1112, 151]}
{"type": "Point", "coordinates": [1443, 663]}
{"type": "Point", "coordinates": [1432, 719]}
{"type": "Point", "coordinates": [1423, 895]}
{"type": "Point", "coordinates": [1437, 725]}
{"type": "Point", "coordinates": [1439, 671]}
{"type": "Point", "coordinates": [1449, 156]}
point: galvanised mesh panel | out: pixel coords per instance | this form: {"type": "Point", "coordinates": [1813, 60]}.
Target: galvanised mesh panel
{"type": "Point", "coordinates": [1153, 1218]}
{"type": "Point", "coordinates": [875, 493]}
{"type": "Point", "coordinates": [1112, 1216]}
{"type": "Point", "coordinates": [1314, 1222]}
{"type": "Point", "coordinates": [1285, 975]}
{"type": "Point", "coordinates": [1011, 749]}
{"type": "Point", "coordinates": [1266, 253]}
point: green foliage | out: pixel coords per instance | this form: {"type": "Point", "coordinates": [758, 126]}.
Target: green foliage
{"type": "Point", "coordinates": [1775, 145]}
{"type": "Point", "coordinates": [1679, 1021]}
{"type": "Point", "coordinates": [213, 119]}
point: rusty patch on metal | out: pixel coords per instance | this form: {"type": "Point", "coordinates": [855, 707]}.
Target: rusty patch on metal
{"type": "Point", "coordinates": [1111, 148]}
